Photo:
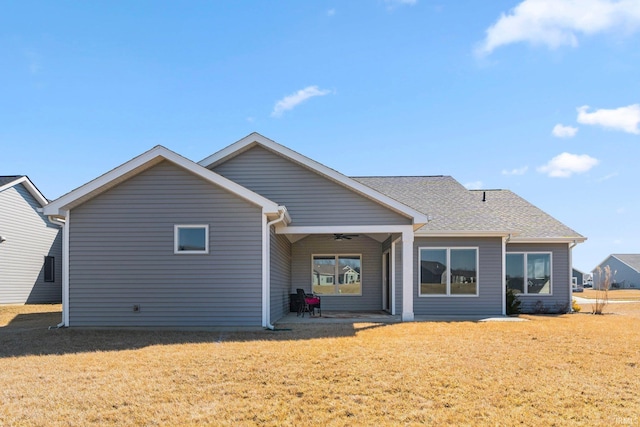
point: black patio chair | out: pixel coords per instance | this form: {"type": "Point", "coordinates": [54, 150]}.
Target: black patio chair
{"type": "Point", "coordinates": [308, 303]}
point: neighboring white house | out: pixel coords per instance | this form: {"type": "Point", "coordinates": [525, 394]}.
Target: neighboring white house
{"type": "Point", "coordinates": [30, 245]}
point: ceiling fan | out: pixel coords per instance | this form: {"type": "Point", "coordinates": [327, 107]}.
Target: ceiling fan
{"type": "Point", "coordinates": [340, 236]}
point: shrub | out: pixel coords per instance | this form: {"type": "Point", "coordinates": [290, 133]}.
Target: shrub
{"type": "Point", "coordinates": [575, 306]}
{"type": "Point", "coordinates": [602, 291]}
{"type": "Point", "coordinates": [540, 308]}
{"type": "Point", "coordinates": [513, 302]}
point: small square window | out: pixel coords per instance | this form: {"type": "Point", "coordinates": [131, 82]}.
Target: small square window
{"type": "Point", "coordinates": [191, 239]}
{"type": "Point", "coordinates": [49, 269]}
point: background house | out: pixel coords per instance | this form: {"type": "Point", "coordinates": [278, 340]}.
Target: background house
{"type": "Point", "coordinates": [578, 276]}
{"type": "Point", "coordinates": [626, 268]}
{"type": "Point", "coordinates": [30, 245]}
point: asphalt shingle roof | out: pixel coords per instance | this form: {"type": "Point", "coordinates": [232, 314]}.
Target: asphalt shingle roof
{"type": "Point", "coordinates": [5, 179]}
{"type": "Point", "coordinates": [526, 219]}
{"type": "Point", "coordinates": [453, 208]}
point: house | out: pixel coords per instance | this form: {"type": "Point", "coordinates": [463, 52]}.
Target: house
{"type": "Point", "coordinates": [30, 245]}
{"type": "Point", "coordinates": [577, 277]}
{"type": "Point", "coordinates": [164, 241]}
{"type": "Point", "coordinates": [625, 271]}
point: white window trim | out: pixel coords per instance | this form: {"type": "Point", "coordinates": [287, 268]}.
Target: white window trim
{"type": "Point", "coordinates": [525, 286]}
{"type": "Point", "coordinates": [448, 294]}
{"type": "Point", "coordinates": [335, 284]}
{"type": "Point", "coordinates": [176, 229]}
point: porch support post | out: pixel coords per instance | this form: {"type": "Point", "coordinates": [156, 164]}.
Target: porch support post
{"type": "Point", "coordinates": [407, 275]}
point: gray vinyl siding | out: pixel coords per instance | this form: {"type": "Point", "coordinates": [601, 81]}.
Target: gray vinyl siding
{"type": "Point", "coordinates": [490, 282]}
{"type": "Point", "coordinates": [311, 199]}
{"type": "Point", "coordinates": [121, 253]}
{"type": "Point", "coordinates": [280, 275]}
{"type": "Point", "coordinates": [29, 238]}
{"type": "Point", "coordinates": [624, 277]}
{"type": "Point", "coordinates": [560, 298]}
{"type": "Point", "coordinates": [371, 277]}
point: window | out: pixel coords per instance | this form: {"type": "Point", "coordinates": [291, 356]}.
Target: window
{"type": "Point", "coordinates": [448, 271]}
{"type": "Point", "coordinates": [49, 269]}
{"type": "Point", "coordinates": [337, 274]}
{"type": "Point", "coordinates": [191, 239]}
{"type": "Point", "coordinates": [529, 273]}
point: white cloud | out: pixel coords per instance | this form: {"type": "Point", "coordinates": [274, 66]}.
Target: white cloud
{"type": "Point", "coordinates": [558, 22]}
{"type": "Point", "coordinates": [475, 185]}
{"type": "Point", "coordinates": [624, 118]}
{"type": "Point", "coordinates": [564, 165]}
{"type": "Point", "coordinates": [291, 101]}
{"type": "Point", "coordinates": [331, 12]}
{"type": "Point", "coordinates": [621, 211]}
{"type": "Point", "coordinates": [519, 171]}
{"type": "Point", "coordinates": [562, 131]}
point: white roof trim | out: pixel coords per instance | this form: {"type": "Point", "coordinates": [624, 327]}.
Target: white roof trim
{"type": "Point", "coordinates": [463, 233]}
{"type": "Point", "coordinates": [331, 229]}
{"type": "Point", "coordinates": [255, 138]}
{"type": "Point", "coordinates": [26, 182]}
{"type": "Point", "coordinates": [143, 162]}
{"type": "Point", "coordinates": [547, 240]}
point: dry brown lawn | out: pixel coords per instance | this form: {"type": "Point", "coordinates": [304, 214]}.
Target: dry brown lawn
{"type": "Point", "coordinates": [614, 294]}
{"type": "Point", "coordinates": [574, 369]}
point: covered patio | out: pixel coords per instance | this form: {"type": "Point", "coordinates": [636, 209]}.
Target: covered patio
{"type": "Point", "coordinates": [335, 316]}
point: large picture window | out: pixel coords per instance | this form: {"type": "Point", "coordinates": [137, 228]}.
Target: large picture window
{"type": "Point", "coordinates": [448, 272]}
{"type": "Point", "coordinates": [529, 273]}
{"type": "Point", "coordinates": [337, 274]}
{"type": "Point", "coordinates": [191, 239]}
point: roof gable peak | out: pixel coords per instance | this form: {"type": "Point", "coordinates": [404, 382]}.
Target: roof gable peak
{"type": "Point", "coordinates": [256, 139]}
{"type": "Point", "coordinates": [13, 180]}
{"type": "Point", "coordinates": [143, 162]}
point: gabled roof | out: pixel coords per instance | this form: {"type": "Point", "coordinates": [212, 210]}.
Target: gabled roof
{"type": "Point", "coordinates": [255, 139]}
{"type": "Point", "coordinates": [454, 210]}
{"type": "Point", "coordinates": [632, 260]}
{"type": "Point", "coordinates": [8, 181]}
{"type": "Point", "coordinates": [144, 162]}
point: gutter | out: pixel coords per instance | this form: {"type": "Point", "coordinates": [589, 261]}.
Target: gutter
{"type": "Point", "coordinates": [56, 220]}
{"type": "Point", "coordinates": [266, 266]}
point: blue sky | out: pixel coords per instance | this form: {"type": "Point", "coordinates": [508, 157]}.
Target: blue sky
{"type": "Point", "coordinates": [541, 97]}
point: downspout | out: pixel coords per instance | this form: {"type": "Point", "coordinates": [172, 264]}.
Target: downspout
{"type": "Point", "coordinates": [571, 246]}
{"type": "Point", "coordinates": [505, 240]}
{"type": "Point", "coordinates": [62, 223]}
{"type": "Point", "coordinates": [266, 267]}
